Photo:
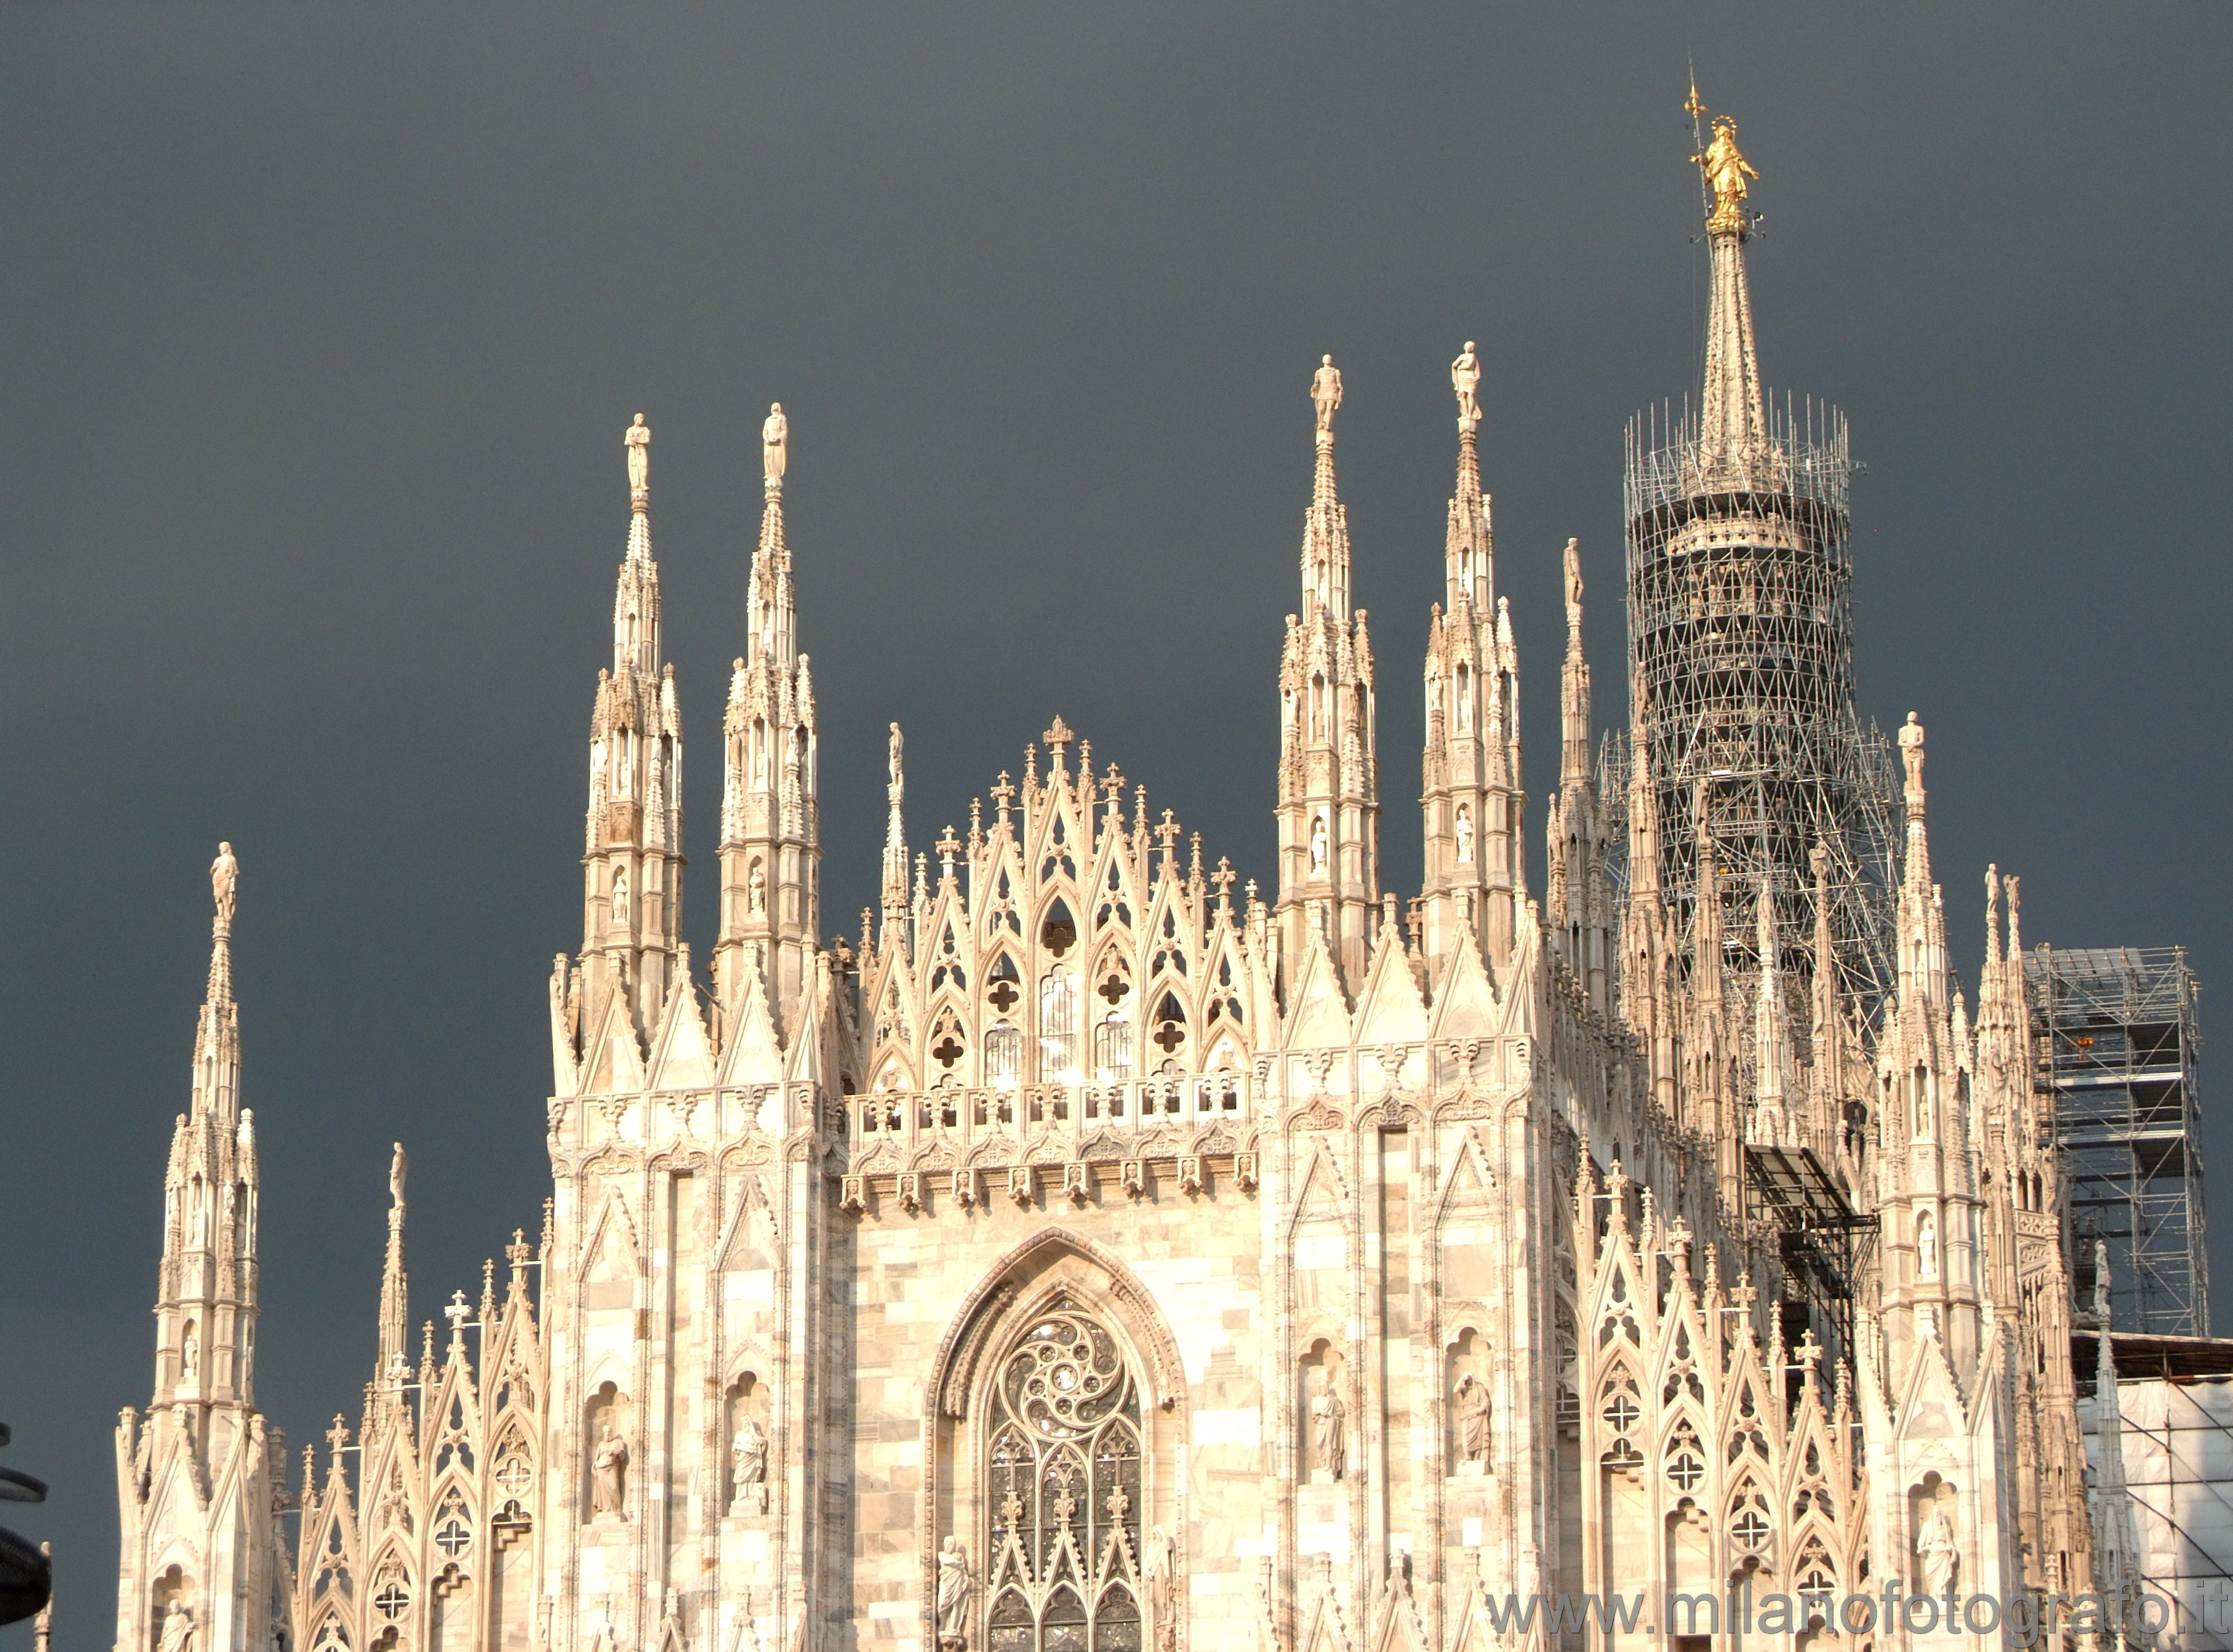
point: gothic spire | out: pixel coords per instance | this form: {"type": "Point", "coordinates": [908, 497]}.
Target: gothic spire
{"type": "Point", "coordinates": [1828, 1071]}
{"type": "Point", "coordinates": [1574, 682]}
{"type": "Point", "coordinates": [1469, 546]}
{"type": "Point", "coordinates": [632, 864]}
{"type": "Point", "coordinates": [1733, 430]}
{"type": "Point", "coordinates": [1923, 965]}
{"type": "Point", "coordinates": [1771, 1039]}
{"type": "Point", "coordinates": [1577, 908]}
{"type": "Point", "coordinates": [394, 1289]}
{"type": "Point", "coordinates": [768, 604]}
{"type": "Point", "coordinates": [217, 1038]}
{"type": "Point", "coordinates": [1329, 809]}
{"type": "Point", "coordinates": [771, 831]}
{"type": "Point", "coordinates": [895, 855]}
{"type": "Point", "coordinates": [199, 1473]}
{"type": "Point", "coordinates": [1466, 804]}
{"type": "Point", "coordinates": [1325, 525]}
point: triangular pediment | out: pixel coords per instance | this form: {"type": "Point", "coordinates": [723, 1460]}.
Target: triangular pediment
{"type": "Point", "coordinates": [1389, 1010]}
{"type": "Point", "coordinates": [1323, 1194]}
{"type": "Point", "coordinates": [1470, 1179]}
{"type": "Point", "coordinates": [1325, 1632]}
{"type": "Point", "coordinates": [1318, 1014]}
{"type": "Point", "coordinates": [611, 1254]}
{"type": "Point", "coordinates": [751, 1051]}
{"type": "Point", "coordinates": [1465, 1000]}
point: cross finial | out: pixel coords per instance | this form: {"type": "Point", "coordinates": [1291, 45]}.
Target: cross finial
{"type": "Point", "coordinates": [1167, 832]}
{"type": "Point", "coordinates": [1223, 878]}
{"type": "Point", "coordinates": [518, 1252]}
{"type": "Point", "coordinates": [1003, 795]}
{"type": "Point", "coordinates": [1692, 107]}
{"type": "Point", "coordinates": [1057, 740]}
{"type": "Point", "coordinates": [948, 847]}
{"type": "Point", "coordinates": [337, 1436]}
{"type": "Point", "coordinates": [1112, 785]}
{"type": "Point", "coordinates": [457, 1313]}
{"type": "Point", "coordinates": [1810, 1353]}
{"type": "Point", "coordinates": [1744, 1296]}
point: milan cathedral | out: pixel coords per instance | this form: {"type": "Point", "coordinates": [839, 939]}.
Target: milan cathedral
{"type": "Point", "coordinates": [1091, 1255]}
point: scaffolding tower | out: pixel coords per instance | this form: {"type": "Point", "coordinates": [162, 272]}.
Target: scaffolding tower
{"type": "Point", "coordinates": [2117, 1041]}
{"type": "Point", "coordinates": [1740, 663]}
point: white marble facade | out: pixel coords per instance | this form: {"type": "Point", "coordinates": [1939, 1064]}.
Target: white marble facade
{"type": "Point", "coordinates": [1099, 1254]}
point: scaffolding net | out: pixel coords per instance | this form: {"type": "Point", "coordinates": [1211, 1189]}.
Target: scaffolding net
{"type": "Point", "coordinates": [2117, 1044]}
{"type": "Point", "coordinates": [1740, 663]}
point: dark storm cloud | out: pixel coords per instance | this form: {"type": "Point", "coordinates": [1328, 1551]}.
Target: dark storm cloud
{"type": "Point", "coordinates": [322, 325]}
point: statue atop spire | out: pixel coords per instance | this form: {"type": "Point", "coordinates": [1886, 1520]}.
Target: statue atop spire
{"type": "Point", "coordinates": [1910, 751]}
{"type": "Point", "coordinates": [1326, 392]}
{"type": "Point", "coordinates": [775, 446]}
{"type": "Point", "coordinates": [637, 440]}
{"type": "Point", "coordinates": [225, 877]}
{"type": "Point", "coordinates": [1573, 589]}
{"type": "Point", "coordinates": [1465, 374]}
{"type": "Point", "coordinates": [895, 860]}
{"type": "Point", "coordinates": [1725, 169]}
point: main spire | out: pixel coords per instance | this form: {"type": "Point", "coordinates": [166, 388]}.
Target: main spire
{"type": "Point", "coordinates": [1733, 428]}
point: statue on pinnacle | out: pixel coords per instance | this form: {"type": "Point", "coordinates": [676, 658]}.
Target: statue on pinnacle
{"type": "Point", "coordinates": [1325, 392]}
{"type": "Point", "coordinates": [1726, 170]}
{"type": "Point", "coordinates": [1465, 374]}
{"type": "Point", "coordinates": [225, 878]}
{"type": "Point", "coordinates": [775, 444]}
{"type": "Point", "coordinates": [637, 440]}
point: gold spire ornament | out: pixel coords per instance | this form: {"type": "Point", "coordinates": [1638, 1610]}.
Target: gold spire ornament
{"type": "Point", "coordinates": [1725, 170]}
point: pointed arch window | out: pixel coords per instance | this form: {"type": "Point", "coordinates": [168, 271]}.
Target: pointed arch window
{"type": "Point", "coordinates": [1112, 1048]}
{"type": "Point", "coordinates": [1004, 1052]}
{"type": "Point", "coordinates": [1063, 1492]}
{"type": "Point", "coordinates": [1057, 1026]}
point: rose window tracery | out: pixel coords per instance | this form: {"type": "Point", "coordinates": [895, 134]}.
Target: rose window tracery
{"type": "Point", "coordinates": [1063, 1492]}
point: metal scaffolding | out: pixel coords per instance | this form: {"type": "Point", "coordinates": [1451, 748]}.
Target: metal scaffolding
{"type": "Point", "coordinates": [2116, 1043]}
{"type": "Point", "coordinates": [1740, 663]}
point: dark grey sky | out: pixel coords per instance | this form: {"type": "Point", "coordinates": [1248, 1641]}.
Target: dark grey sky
{"type": "Point", "coordinates": [322, 325]}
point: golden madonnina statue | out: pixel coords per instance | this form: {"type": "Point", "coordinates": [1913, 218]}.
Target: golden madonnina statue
{"type": "Point", "coordinates": [1726, 171]}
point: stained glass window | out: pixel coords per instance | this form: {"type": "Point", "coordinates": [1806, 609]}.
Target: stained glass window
{"type": "Point", "coordinates": [1063, 1492]}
